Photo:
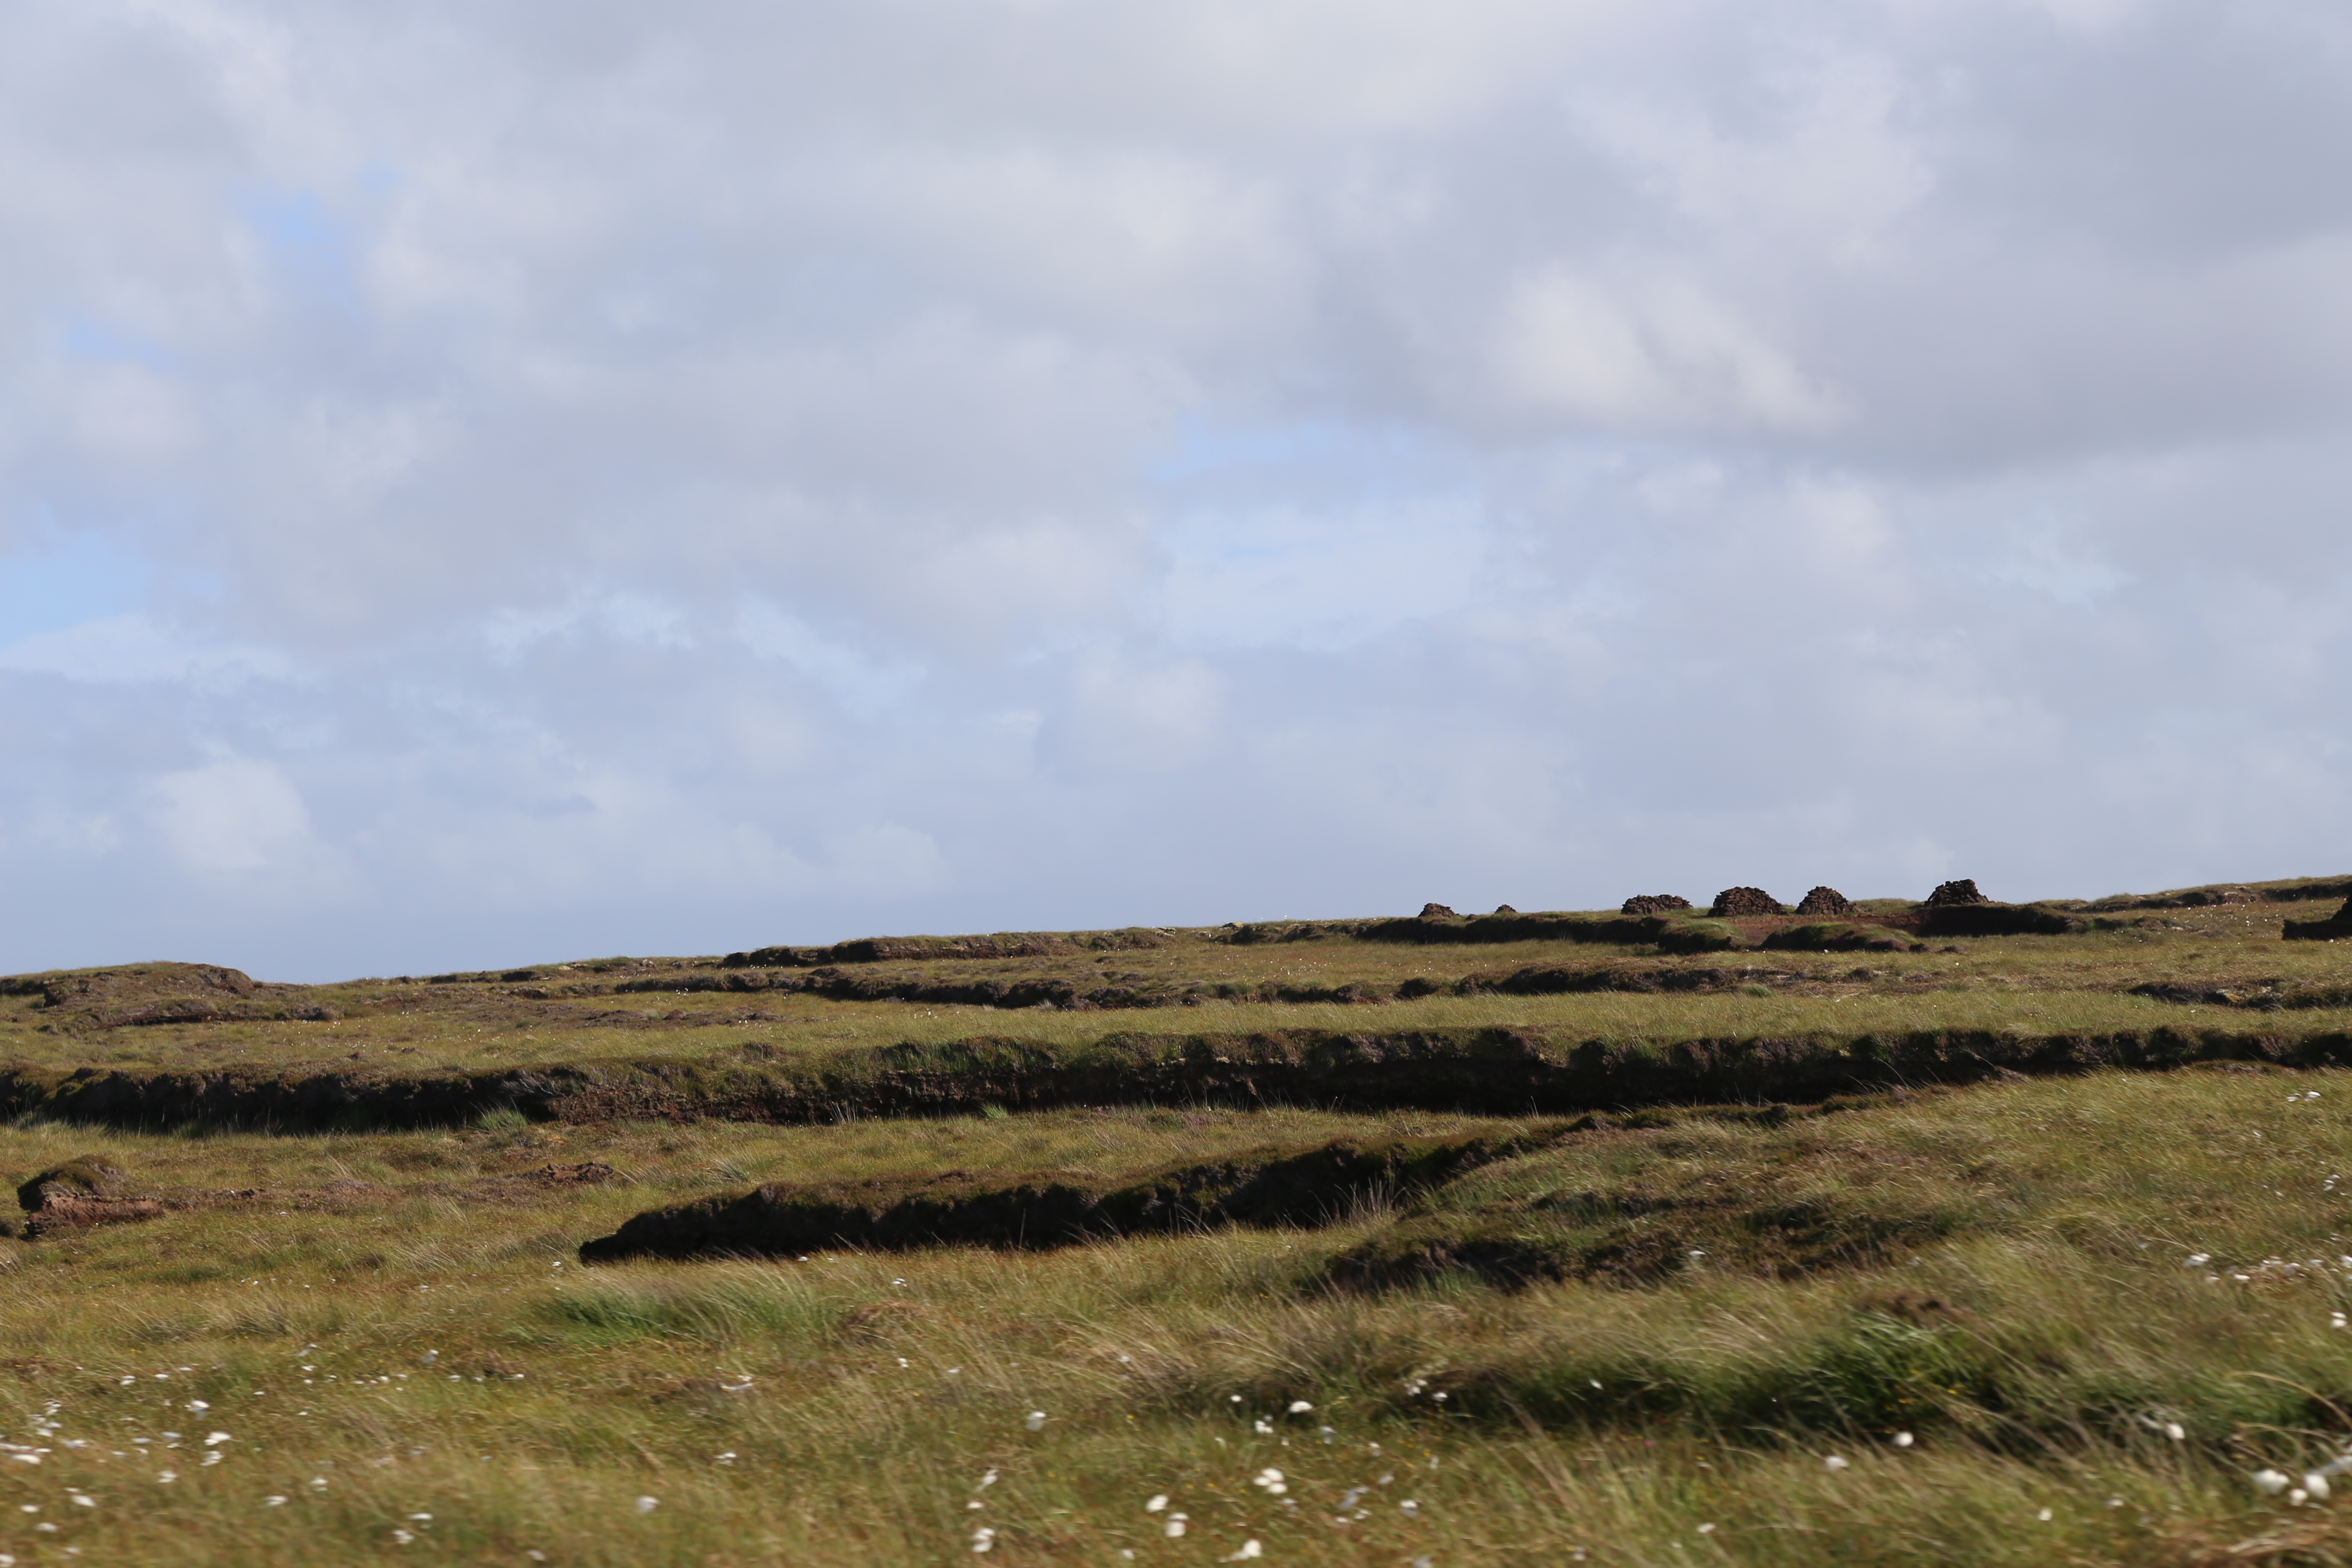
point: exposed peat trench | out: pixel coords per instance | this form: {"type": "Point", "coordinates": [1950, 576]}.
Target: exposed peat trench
{"type": "Point", "coordinates": [1493, 1071]}
{"type": "Point", "coordinates": [1265, 1188]}
{"type": "Point", "coordinates": [1630, 1236]}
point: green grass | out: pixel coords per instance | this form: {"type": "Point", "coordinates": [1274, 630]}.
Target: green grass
{"type": "Point", "coordinates": [2035, 984]}
{"type": "Point", "coordinates": [2065, 1336]}
{"type": "Point", "coordinates": [1661, 1321]}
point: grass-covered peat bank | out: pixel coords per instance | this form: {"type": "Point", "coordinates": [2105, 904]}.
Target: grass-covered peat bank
{"type": "Point", "coordinates": [1838, 1236]}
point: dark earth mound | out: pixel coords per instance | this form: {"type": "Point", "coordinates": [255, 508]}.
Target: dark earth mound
{"type": "Point", "coordinates": [1825, 904]}
{"type": "Point", "coordinates": [1744, 903]}
{"type": "Point", "coordinates": [1959, 893]}
{"type": "Point", "coordinates": [1653, 904]}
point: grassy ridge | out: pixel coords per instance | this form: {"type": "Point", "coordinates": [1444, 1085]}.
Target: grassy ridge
{"type": "Point", "coordinates": [1491, 1071]}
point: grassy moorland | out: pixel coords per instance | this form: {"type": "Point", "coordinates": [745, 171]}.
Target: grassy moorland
{"type": "Point", "coordinates": [2064, 1318]}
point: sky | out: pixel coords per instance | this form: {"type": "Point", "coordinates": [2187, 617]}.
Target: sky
{"type": "Point", "coordinates": [496, 482]}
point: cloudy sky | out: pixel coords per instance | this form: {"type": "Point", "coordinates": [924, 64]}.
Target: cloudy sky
{"type": "Point", "coordinates": [499, 482]}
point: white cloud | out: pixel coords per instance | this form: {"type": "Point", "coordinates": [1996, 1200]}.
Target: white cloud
{"type": "Point", "coordinates": [1653, 355]}
{"type": "Point", "coordinates": [667, 479]}
{"type": "Point", "coordinates": [238, 814]}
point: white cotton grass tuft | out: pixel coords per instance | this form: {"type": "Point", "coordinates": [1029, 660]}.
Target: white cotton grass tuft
{"type": "Point", "coordinates": [1175, 1526]}
{"type": "Point", "coordinates": [983, 1538]}
{"type": "Point", "coordinates": [1833, 1463]}
{"type": "Point", "coordinates": [647, 1504]}
{"type": "Point", "coordinates": [2314, 1482]}
{"type": "Point", "coordinates": [1250, 1548]}
{"type": "Point", "coordinates": [1036, 1422]}
{"type": "Point", "coordinates": [1301, 1408]}
{"type": "Point", "coordinates": [1409, 1508]}
{"type": "Point", "coordinates": [215, 1440]}
{"type": "Point", "coordinates": [1271, 1479]}
{"type": "Point", "coordinates": [1159, 1500]}
{"type": "Point", "coordinates": [1904, 1440]}
{"type": "Point", "coordinates": [2044, 1516]}
{"type": "Point", "coordinates": [2269, 1483]}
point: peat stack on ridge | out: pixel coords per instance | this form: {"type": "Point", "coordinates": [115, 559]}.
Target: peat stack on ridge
{"type": "Point", "coordinates": [1653, 904]}
{"type": "Point", "coordinates": [1955, 894]}
{"type": "Point", "coordinates": [1743, 904]}
{"type": "Point", "coordinates": [1825, 904]}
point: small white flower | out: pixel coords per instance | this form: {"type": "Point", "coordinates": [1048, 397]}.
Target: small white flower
{"type": "Point", "coordinates": [1249, 1549]}
{"type": "Point", "coordinates": [1301, 1408]}
{"type": "Point", "coordinates": [2269, 1482]}
{"type": "Point", "coordinates": [983, 1538]}
{"type": "Point", "coordinates": [1036, 1422]}
{"type": "Point", "coordinates": [1159, 1500]}
{"type": "Point", "coordinates": [1904, 1440]}
{"type": "Point", "coordinates": [1175, 1525]}
{"type": "Point", "coordinates": [647, 1504]}
{"type": "Point", "coordinates": [1833, 1463]}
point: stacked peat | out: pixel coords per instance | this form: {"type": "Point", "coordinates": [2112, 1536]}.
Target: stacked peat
{"type": "Point", "coordinates": [1433, 911]}
{"type": "Point", "coordinates": [1826, 903]}
{"type": "Point", "coordinates": [1653, 904]}
{"type": "Point", "coordinates": [1951, 895]}
{"type": "Point", "coordinates": [1742, 903]}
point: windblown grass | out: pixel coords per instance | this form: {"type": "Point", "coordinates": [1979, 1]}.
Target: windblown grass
{"type": "Point", "coordinates": [2040, 1352]}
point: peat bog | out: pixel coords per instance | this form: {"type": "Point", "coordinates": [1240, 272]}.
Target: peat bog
{"type": "Point", "coordinates": [1862, 1231]}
